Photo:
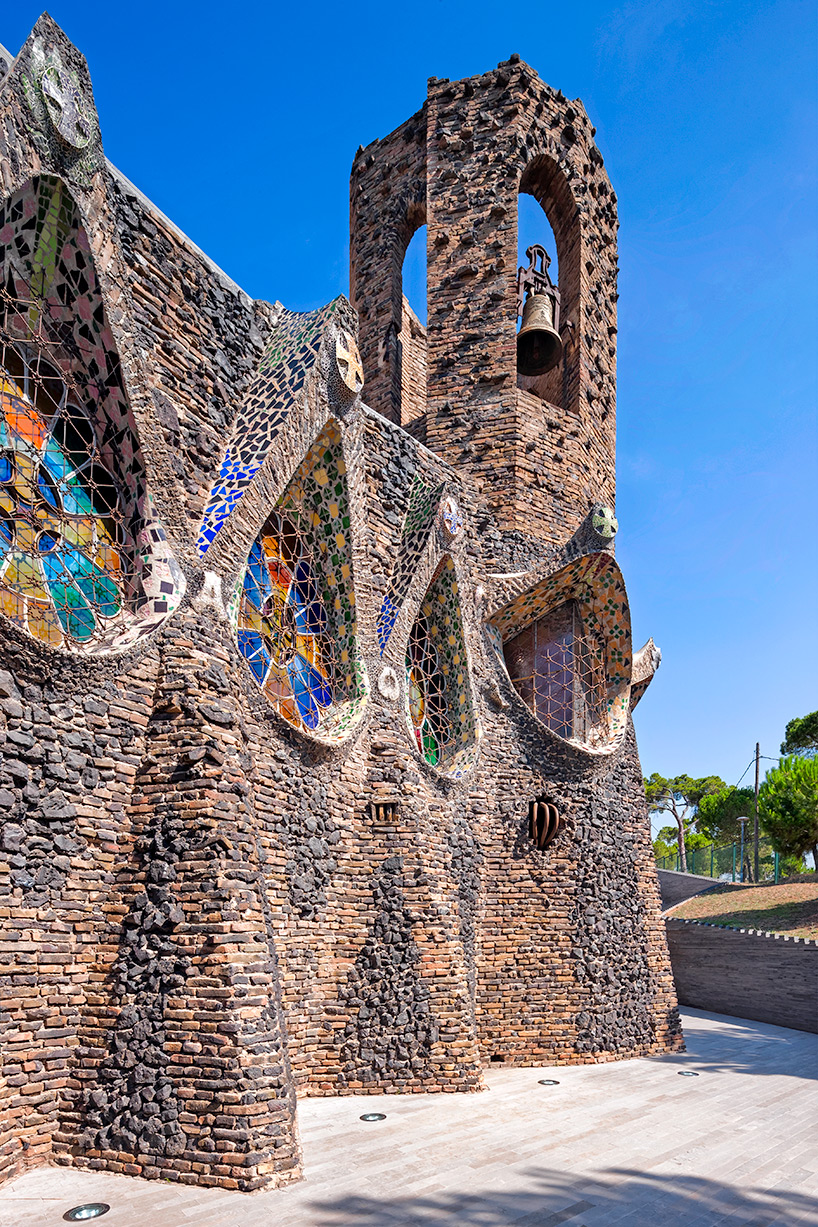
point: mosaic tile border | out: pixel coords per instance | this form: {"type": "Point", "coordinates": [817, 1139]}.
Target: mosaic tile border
{"type": "Point", "coordinates": [289, 357]}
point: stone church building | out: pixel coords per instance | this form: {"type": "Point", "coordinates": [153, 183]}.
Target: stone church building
{"type": "Point", "coordinates": [318, 770]}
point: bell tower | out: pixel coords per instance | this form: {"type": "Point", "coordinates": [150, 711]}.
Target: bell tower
{"type": "Point", "coordinates": [541, 445]}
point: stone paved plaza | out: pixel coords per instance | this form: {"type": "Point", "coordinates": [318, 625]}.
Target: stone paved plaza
{"type": "Point", "coordinates": [623, 1143]}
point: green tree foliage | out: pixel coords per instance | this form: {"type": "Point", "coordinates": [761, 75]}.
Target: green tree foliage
{"type": "Point", "coordinates": [788, 806]}
{"type": "Point", "coordinates": [665, 843]}
{"type": "Point", "coordinates": [679, 796]}
{"type": "Point", "coordinates": [801, 736]}
{"type": "Point", "coordinates": [718, 813]}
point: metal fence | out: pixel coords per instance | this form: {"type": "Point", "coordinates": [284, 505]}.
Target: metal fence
{"type": "Point", "coordinates": [724, 863]}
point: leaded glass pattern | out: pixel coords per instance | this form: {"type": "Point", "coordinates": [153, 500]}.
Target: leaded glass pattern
{"type": "Point", "coordinates": [441, 707]}
{"type": "Point", "coordinates": [557, 670]}
{"type": "Point", "coordinates": [294, 607]}
{"type": "Point", "coordinates": [84, 562]}
{"type": "Point", "coordinates": [566, 644]}
{"type": "Point", "coordinates": [417, 525]}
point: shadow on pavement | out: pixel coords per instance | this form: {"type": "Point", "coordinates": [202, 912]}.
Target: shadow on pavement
{"type": "Point", "coordinates": [770, 1050]}
{"type": "Point", "coordinates": [627, 1197]}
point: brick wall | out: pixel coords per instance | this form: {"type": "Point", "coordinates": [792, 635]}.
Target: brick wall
{"type": "Point", "coordinates": [413, 366]}
{"type": "Point", "coordinates": [764, 976]}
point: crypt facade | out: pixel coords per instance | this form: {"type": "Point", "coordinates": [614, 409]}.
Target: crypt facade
{"type": "Point", "coordinates": [319, 774]}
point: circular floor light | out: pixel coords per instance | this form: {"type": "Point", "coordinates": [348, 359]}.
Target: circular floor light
{"type": "Point", "coordinates": [687, 1073]}
{"type": "Point", "coordinates": [81, 1214]}
{"type": "Point", "coordinates": [373, 1116]}
{"type": "Point", "coordinates": [548, 1082]}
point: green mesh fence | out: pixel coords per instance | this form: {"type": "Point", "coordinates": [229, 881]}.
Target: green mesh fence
{"type": "Point", "coordinates": [724, 862]}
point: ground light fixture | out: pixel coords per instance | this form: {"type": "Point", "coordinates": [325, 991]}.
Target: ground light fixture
{"type": "Point", "coordinates": [548, 1082]}
{"type": "Point", "coordinates": [687, 1073]}
{"type": "Point", "coordinates": [81, 1214]}
{"type": "Point", "coordinates": [373, 1116]}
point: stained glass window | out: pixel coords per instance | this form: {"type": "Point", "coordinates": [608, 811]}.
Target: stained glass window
{"type": "Point", "coordinates": [84, 561]}
{"type": "Point", "coordinates": [540, 663]}
{"type": "Point", "coordinates": [294, 609]}
{"type": "Point", "coordinates": [62, 573]}
{"type": "Point", "coordinates": [440, 704]}
{"type": "Point", "coordinates": [566, 644]}
{"type": "Point", "coordinates": [427, 692]}
{"type": "Point", "coordinates": [283, 624]}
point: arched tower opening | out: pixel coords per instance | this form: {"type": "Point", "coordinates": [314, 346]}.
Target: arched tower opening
{"type": "Point", "coordinates": [388, 207]}
{"type": "Point", "coordinates": [534, 232]}
{"type": "Point", "coordinates": [550, 210]}
{"type": "Point", "coordinates": [412, 336]}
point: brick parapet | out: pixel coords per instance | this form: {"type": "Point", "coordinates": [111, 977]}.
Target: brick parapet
{"type": "Point", "coordinates": [770, 977]}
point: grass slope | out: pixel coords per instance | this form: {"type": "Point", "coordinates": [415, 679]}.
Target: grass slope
{"type": "Point", "coordinates": [790, 907]}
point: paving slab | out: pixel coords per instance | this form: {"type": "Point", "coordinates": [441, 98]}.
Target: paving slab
{"type": "Point", "coordinates": [627, 1144]}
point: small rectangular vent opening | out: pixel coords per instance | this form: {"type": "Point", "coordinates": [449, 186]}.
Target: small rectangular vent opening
{"type": "Point", "coordinates": [384, 811]}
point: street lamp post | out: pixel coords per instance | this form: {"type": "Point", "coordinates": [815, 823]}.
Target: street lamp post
{"type": "Point", "coordinates": [743, 822]}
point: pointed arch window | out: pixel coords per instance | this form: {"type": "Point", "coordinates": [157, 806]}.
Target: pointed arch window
{"type": "Point", "coordinates": [441, 709]}
{"type": "Point", "coordinates": [84, 562]}
{"type": "Point", "coordinates": [566, 646]}
{"type": "Point", "coordinates": [294, 608]}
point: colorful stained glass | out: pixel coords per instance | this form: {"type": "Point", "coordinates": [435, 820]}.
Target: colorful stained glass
{"type": "Point", "coordinates": [428, 708]}
{"type": "Point", "coordinates": [294, 609]}
{"type": "Point", "coordinates": [441, 707]}
{"type": "Point", "coordinates": [84, 562]}
{"type": "Point", "coordinates": [283, 624]}
{"type": "Point", "coordinates": [61, 569]}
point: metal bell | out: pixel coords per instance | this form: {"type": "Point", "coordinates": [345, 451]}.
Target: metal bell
{"type": "Point", "coordinates": [539, 347]}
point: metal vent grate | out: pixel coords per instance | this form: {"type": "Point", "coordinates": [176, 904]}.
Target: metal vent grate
{"type": "Point", "coordinates": [544, 822]}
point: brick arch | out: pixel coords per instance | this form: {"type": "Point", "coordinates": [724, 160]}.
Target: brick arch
{"type": "Point", "coordinates": [387, 206]}
{"type": "Point", "coordinates": [544, 179]}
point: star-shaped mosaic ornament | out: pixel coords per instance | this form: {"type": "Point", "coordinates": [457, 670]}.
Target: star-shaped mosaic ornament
{"type": "Point", "coordinates": [348, 360]}
{"type": "Point", "coordinates": [66, 106]}
{"type": "Point", "coordinates": [605, 523]}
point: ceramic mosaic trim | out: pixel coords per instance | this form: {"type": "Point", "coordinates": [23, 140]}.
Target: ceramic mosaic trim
{"type": "Point", "coordinates": [441, 709]}
{"type": "Point", "coordinates": [418, 523]}
{"type": "Point", "coordinates": [84, 561]}
{"type": "Point", "coordinates": [294, 609]}
{"type": "Point", "coordinates": [595, 583]}
{"type": "Point", "coordinates": [290, 355]}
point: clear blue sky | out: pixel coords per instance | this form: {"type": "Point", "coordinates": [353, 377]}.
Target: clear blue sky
{"type": "Point", "coordinates": [241, 121]}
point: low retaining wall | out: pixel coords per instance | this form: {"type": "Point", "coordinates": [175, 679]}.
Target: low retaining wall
{"type": "Point", "coordinates": [676, 887]}
{"type": "Point", "coordinates": [746, 973]}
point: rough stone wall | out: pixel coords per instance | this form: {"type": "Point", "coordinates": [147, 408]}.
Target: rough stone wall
{"type": "Point", "coordinates": [540, 465]}
{"type": "Point", "coordinates": [413, 367]}
{"type": "Point", "coordinates": [204, 910]}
